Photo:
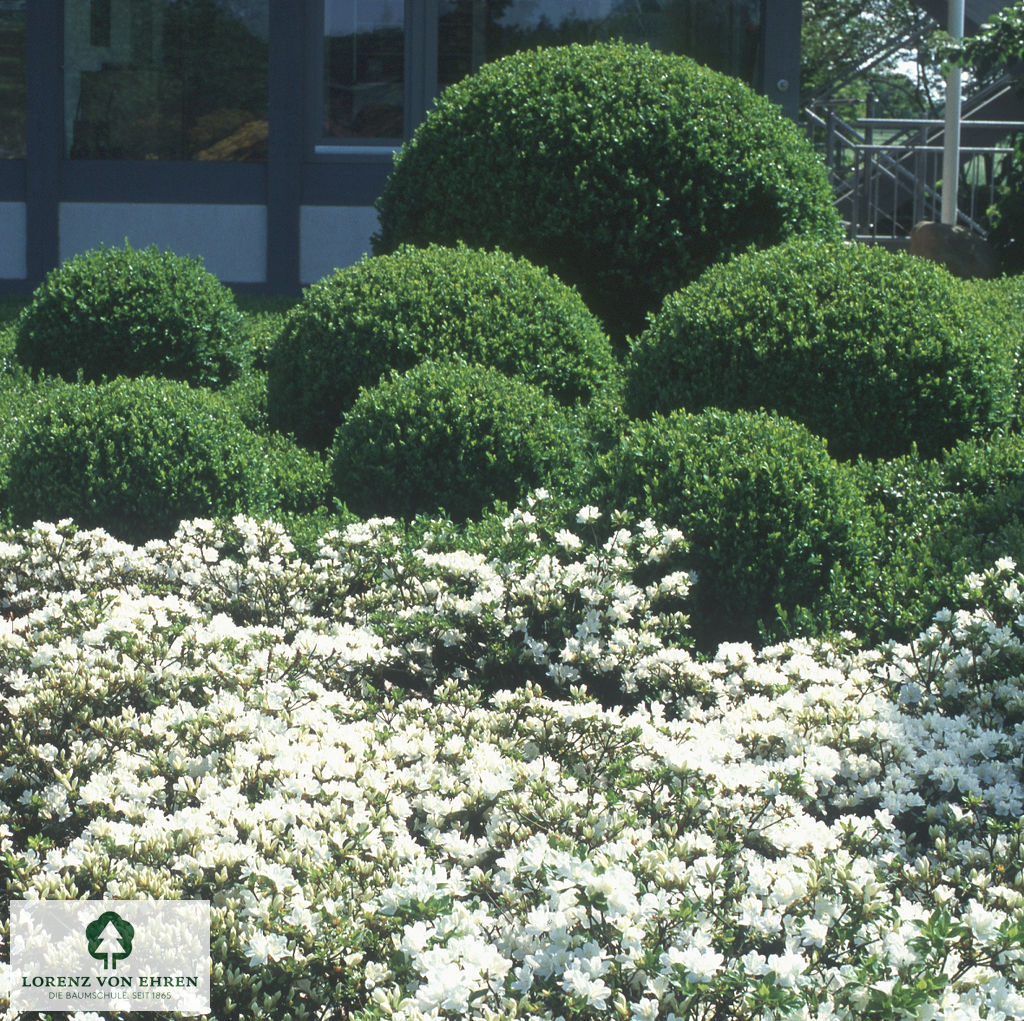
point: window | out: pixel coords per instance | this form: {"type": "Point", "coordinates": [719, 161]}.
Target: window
{"type": "Point", "coordinates": [379, 68]}
{"type": "Point", "coordinates": [99, 23]}
{"type": "Point", "coordinates": [364, 70]}
{"type": "Point", "coordinates": [12, 79]}
{"type": "Point", "coordinates": [724, 34]}
{"type": "Point", "coordinates": [166, 79]}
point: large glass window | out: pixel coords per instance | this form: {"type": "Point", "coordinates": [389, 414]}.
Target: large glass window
{"type": "Point", "coordinates": [364, 70]}
{"type": "Point", "coordinates": [724, 34]}
{"type": "Point", "coordinates": [372, 94]}
{"type": "Point", "coordinates": [12, 79]}
{"type": "Point", "coordinates": [166, 79]}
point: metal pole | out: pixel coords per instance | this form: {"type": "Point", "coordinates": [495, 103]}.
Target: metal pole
{"type": "Point", "coordinates": [951, 136]}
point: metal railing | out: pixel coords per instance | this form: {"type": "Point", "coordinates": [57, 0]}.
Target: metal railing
{"type": "Point", "coordinates": [886, 172]}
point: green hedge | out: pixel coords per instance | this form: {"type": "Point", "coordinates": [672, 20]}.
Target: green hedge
{"type": "Point", "coordinates": [454, 303]}
{"type": "Point", "coordinates": [941, 520]}
{"type": "Point", "coordinates": [875, 351]}
{"type": "Point", "coordinates": [998, 306]}
{"type": "Point", "coordinates": [301, 479]}
{"type": "Point", "coordinates": [920, 566]}
{"type": "Point", "coordinates": [987, 479]}
{"type": "Point", "coordinates": [247, 396]}
{"type": "Point", "coordinates": [449, 437]}
{"type": "Point", "coordinates": [122, 312]}
{"type": "Point", "coordinates": [134, 456]}
{"type": "Point", "coordinates": [624, 170]}
{"type": "Point", "coordinates": [780, 536]}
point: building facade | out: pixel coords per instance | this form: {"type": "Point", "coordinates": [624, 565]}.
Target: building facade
{"type": "Point", "coordinates": [258, 133]}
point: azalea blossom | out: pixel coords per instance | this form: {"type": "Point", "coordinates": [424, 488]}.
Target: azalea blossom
{"type": "Point", "coordinates": [372, 762]}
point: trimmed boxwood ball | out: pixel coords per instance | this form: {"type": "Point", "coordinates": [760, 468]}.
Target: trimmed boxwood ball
{"type": "Point", "coordinates": [772, 520]}
{"type": "Point", "coordinates": [391, 312]}
{"type": "Point", "coordinates": [449, 437]}
{"type": "Point", "coordinates": [135, 457]}
{"type": "Point", "coordinates": [624, 170]}
{"type": "Point", "coordinates": [127, 312]}
{"type": "Point", "coordinates": [873, 350]}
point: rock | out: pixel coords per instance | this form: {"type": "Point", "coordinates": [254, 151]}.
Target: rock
{"type": "Point", "coordinates": [964, 254]}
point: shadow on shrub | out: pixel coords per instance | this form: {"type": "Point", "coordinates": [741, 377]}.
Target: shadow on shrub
{"type": "Point", "coordinates": [941, 520]}
{"type": "Point", "coordinates": [449, 437]}
{"type": "Point", "coordinates": [872, 350]}
{"type": "Point", "coordinates": [780, 536]}
{"type": "Point", "coordinates": [392, 312]}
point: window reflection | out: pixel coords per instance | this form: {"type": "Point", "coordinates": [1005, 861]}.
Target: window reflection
{"type": "Point", "coordinates": [724, 34]}
{"type": "Point", "coordinates": [166, 79]}
{"type": "Point", "coordinates": [12, 79]}
{"type": "Point", "coordinates": [364, 69]}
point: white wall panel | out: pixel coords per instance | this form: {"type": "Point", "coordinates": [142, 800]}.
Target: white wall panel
{"type": "Point", "coordinates": [230, 239]}
{"type": "Point", "coordinates": [332, 237]}
{"type": "Point", "coordinates": [13, 240]}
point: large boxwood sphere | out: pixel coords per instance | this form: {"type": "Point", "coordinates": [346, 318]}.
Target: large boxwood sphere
{"type": "Point", "coordinates": [624, 170]}
{"type": "Point", "coordinates": [123, 312]}
{"type": "Point", "coordinates": [771, 519]}
{"type": "Point", "coordinates": [135, 457]}
{"type": "Point", "coordinates": [874, 350]}
{"type": "Point", "coordinates": [449, 437]}
{"type": "Point", "coordinates": [391, 312]}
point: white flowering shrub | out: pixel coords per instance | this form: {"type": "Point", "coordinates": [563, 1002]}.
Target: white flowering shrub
{"type": "Point", "coordinates": [385, 829]}
{"type": "Point", "coordinates": [533, 602]}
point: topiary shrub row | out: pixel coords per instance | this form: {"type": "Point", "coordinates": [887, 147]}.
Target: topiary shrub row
{"type": "Point", "coordinates": [387, 314]}
{"type": "Point", "coordinates": [997, 307]}
{"type": "Point", "coordinates": [449, 437]}
{"type": "Point", "coordinates": [121, 312]}
{"type": "Point", "coordinates": [782, 538]}
{"type": "Point", "coordinates": [625, 171]}
{"type": "Point", "coordinates": [872, 350]}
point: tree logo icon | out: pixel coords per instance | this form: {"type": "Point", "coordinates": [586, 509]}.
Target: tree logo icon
{"type": "Point", "coordinates": [110, 938]}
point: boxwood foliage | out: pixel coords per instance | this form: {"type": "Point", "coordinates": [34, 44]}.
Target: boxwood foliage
{"type": "Point", "coordinates": [449, 437]}
{"type": "Point", "coordinates": [942, 519]}
{"type": "Point", "coordinates": [986, 477]}
{"type": "Point", "coordinates": [780, 536]}
{"type": "Point", "coordinates": [135, 457]}
{"type": "Point", "coordinates": [125, 312]}
{"type": "Point", "coordinates": [301, 478]}
{"type": "Point", "coordinates": [392, 312]}
{"type": "Point", "coordinates": [871, 349]}
{"type": "Point", "coordinates": [919, 562]}
{"type": "Point", "coordinates": [624, 170]}
{"type": "Point", "coordinates": [247, 395]}
{"type": "Point", "coordinates": [999, 307]}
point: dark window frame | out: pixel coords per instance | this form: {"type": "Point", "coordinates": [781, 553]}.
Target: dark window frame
{"type": "Point", "coordinates": [420, 85]}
